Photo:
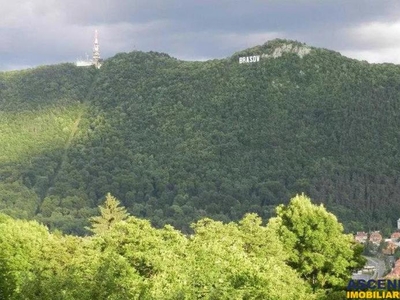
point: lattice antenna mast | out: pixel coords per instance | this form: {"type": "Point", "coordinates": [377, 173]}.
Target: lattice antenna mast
{"type": "Point", "coordinates": [96, 50]}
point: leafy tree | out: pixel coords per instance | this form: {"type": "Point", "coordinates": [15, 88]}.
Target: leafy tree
{"type": "Point", "coordinates": [20, 244]}
{"type": "Point", "coordinates": [317, 247]}
{"type": "Point", "coordinates": [397, 253]}
{"type": "Point", "coordinates": [244, 260]}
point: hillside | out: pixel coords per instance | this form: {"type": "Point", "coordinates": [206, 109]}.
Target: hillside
{"type": "Point", "coordinates": [177, 140]}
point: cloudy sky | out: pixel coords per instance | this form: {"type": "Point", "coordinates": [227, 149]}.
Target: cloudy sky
{"type": "Point", "coordinates": [36, 32]}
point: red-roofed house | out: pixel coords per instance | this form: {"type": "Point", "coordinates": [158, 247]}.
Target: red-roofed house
{"type": "Point", "coordinates": [395, 236]}
{"type": "Point", "coordinates": [395, 273]}
{"type": "Point", "coordinates": [375, 237]}
{"type": "Point", "coordinates": [390, 248]}
{"type": "Point", "coordinates": [361, 237]}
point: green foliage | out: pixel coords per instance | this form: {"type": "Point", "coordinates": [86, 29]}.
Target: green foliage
{"type": "Point", "coordinates": [111, 213]}
{"type": "Point", "coordinates": [20, 244]}
{"type": "Point", "coordinates": [27, 134]}
{"type": "Point", "coordinates": [133, 260]}
{"type": "Point", "coordinates": [397, 253]}
{"type": "Point", "coordinates": [199, 143]}
{"type": "Point", "coordinates": [318, 248]}
{"type": "Point", "coordinates": [245, 260]}
{"type": "Point", "coordinates": [176, 141]}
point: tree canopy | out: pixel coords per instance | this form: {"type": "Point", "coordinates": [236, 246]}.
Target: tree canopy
{"type": "Point", "coordinates": [134, 260]}
{"type": "Point", "coordinates": [319, 250]}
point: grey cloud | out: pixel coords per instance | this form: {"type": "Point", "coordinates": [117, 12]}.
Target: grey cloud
{"type": "Point", "coordinates": [51, 31]}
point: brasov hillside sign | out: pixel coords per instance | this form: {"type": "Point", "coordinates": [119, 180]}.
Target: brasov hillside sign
{"type": "Point", "coordinates": [249, 59]}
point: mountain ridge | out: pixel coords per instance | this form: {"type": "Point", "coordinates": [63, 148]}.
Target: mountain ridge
{"type": "Point", "coordinates": [178, 140]}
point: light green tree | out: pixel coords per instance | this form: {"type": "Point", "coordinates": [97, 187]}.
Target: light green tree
{"type": "Point", "coordinates": [317, 247]}
{"type": "Point", "coordinates": [111, 213]}
{"type": "Point", "coordinates": [240, 261]}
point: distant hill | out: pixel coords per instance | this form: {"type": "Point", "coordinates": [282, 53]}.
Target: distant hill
{"type": "Point", "coordinates": [177, 140]}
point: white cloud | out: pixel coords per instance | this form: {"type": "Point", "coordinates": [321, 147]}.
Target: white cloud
{"type": "Point", "coordinates": [25, 13]}
{"type": "Point", "coordinates": [375, 42]}
{"type": "Point", "coordinates": [386, 55]}
{"type": "Point", "coordinates": [205, 45]}
{"type": "Point", "coordinates": [376, 34]}
{"type": "Point", "coordinates": [13, 67]}
{"type": "Point", "coordinates": [247, 40]}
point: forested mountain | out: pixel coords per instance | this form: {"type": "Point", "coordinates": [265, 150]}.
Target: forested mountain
{"type": "Point", "coordinates": [178, 140]}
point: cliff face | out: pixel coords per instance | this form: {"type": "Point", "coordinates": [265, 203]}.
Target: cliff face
{"type": "Point", "coordinates": [177, 140]}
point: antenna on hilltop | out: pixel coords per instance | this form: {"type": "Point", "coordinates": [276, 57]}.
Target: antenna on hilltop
{"type": "Point", "coordinates": [96, 60]}
{"type": "Point", "coordinates": [96, 51]}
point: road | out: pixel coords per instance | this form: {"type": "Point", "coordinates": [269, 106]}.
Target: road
{"type": "Point", "coordinates": [379, 265]}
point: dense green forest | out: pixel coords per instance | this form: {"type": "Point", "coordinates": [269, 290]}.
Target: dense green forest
{"type": "Point", "coordinates": [301, 253]}
{"type": "Point", "coordinates": [177, 141]}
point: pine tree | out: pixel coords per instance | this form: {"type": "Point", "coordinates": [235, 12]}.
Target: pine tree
{"type": "Point", "coordinates": [111, 213]}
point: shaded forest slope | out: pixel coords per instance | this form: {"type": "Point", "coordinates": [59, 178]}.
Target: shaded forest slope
{"type": "Point", "coordinates": [178, 140]}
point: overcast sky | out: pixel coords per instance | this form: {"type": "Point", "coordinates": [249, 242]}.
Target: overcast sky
{"type": "Point", "coordinates": [36, 32]}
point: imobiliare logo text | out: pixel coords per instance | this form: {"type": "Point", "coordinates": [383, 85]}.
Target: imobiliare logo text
{"type": "Point", "coordinates": [373, 289]}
